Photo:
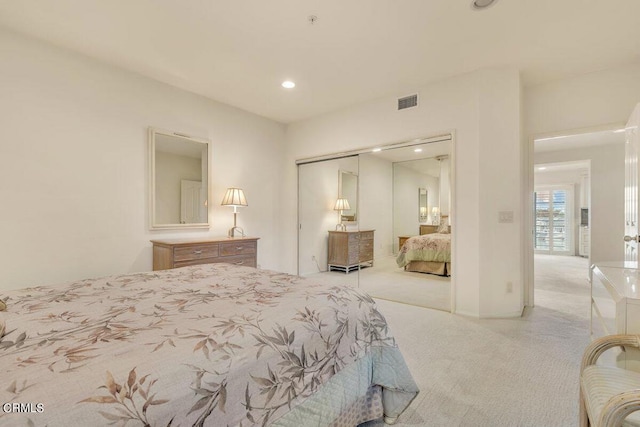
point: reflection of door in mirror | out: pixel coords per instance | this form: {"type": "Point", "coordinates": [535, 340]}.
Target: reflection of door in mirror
{"type": "Point", "coordinates": [179, 181]}
{"type": "Point", "coordinates": [191, 202]}
{"type": "Point", "coordinates": [317, 195]}
{"type": "Point", "coordinates": [348, 189]}
{"type": "Point", "coordinates": [423, 212]}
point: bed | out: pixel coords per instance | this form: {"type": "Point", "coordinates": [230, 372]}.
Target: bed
{"type": "Point", "coordinates": [206, 345]}
{"type": "Point", "coordinates": [429, 252]}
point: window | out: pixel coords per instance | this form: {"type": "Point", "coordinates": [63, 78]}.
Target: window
{"type": "Point", "coordinates": [553, 216]}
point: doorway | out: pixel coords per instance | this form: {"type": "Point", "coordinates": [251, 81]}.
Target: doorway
{"type": "Point", "coordinates": [577, 205]}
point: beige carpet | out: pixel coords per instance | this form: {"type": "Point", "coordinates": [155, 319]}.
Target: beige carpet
{"type": "Point", "coordinates": [499, 372]}
{"type": "Point", "coordinates": [386, 280]}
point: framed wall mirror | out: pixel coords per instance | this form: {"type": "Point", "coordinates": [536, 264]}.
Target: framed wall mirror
{"type": "Point", "coordinates": [423, 211]}
{"type": "Point", "coordinates": [348, 189]}
{"type": "Point", "coordinates": [180, 173]}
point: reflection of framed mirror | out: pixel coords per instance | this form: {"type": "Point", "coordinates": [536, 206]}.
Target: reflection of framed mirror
{"type": "Point", "coordinates": [348, 189]}
{"type": "Point", "coordinates": [179, 181]}
{"type": "Point", "coordinates": [423, 212]}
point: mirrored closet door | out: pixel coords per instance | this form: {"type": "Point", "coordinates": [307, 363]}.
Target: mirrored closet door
{"type": "Point", "coordinates": [409, 191]}
{"type": "Point", "coordinates": [357, 213]}
{"type": "Point", "coordinates": [328, 217]}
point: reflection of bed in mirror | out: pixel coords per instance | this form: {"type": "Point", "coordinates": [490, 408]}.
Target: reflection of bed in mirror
{"type": "Point", "coordinates": [430, 252]}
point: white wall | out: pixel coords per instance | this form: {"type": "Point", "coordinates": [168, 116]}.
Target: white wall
{"type": "Point", "coordinates": [73, 165]}
{"type": "Point", "coordinates": [607, 196]}
{"type": "Point", "coordinates": [499, 189]}
{"type": "Point", "coordinates": [484, 110]}
{"type": "Point", "coordinates": [593, 99]}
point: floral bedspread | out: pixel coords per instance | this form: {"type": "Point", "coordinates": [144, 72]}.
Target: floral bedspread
{"type": "Point", "coordinates": [216, 345]}
{"type": "Point", "coordinates": [434, 247]}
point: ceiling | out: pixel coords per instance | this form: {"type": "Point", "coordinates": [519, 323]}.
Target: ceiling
{"type": "Point", "coordinates": [238, 52]}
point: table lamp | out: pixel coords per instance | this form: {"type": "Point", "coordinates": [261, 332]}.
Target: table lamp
{"type": "Point", "coordinates": [234, 197]}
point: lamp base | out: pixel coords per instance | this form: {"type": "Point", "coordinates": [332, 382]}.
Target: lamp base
{"type": "Point", "coordinates": [341, 227]}
{"type": "Point", "coordinates": [233, 230]}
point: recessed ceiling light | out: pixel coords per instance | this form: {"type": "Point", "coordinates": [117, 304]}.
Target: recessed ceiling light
{"type": "Point", "coordinates": [542, 168]}
{"type": "Point", "coordinates": [288, 84]}
{"type": "Point", "coordinates": [418, 150]}
{"type": "Point", "coordinates": [619, 130]}
{"type": "Point", "coordinates": [375, 150]}
{"type": "Point", "coordinates": [482, 4]}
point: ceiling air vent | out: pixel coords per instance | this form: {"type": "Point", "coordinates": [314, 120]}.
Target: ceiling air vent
{"type": "Point", "coordinates": [407, 102]}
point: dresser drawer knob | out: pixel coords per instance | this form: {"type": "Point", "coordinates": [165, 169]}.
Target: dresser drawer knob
{"type": "Point", "coordinates": [239, 248]}
{"type": "Point", "coordinates": [239, 262]}
{"type": "Point", "coordinates": [197, 252]}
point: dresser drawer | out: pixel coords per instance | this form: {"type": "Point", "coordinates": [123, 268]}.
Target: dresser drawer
{"type": "Point", "coordinates": [245, 260]}
{"type": "Point", "coordinates": [173, 253]}
{"type": "Point", "coordinates": [366, 235]}
{"type": "Point", "coordinates": [237, 248]}
{"type": "Point", "coordinates": [366, 250]}
{"type": "Point", "coordinates": [354, 254]}
{"type": "Point", "coordinates": [185, 263]}
{"type": "Point", "coordinates": [195, 252]}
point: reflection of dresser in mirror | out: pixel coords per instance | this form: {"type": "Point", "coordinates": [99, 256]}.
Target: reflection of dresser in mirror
{"type": "Point", "coordinates": [349, 250]}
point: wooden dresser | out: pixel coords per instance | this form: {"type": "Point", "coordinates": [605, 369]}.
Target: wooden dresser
{"type": "Point", "coordinates": [349, 250]}
{"type": "Point", "coordinates": [173, 253]}
{"type": "Point", "coordinates": [615, 308]}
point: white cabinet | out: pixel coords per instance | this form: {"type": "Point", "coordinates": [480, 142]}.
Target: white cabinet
{"type": "Point", "coordinates": [615, 307]}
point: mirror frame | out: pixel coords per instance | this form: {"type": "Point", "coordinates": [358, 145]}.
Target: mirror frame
{"type": "Point", "coordinates": [153, 225]}
{"type": "Point", "coordinates": [342, 172]}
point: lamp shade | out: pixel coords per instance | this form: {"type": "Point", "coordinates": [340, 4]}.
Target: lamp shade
{"type": "Point", "coordinates": [234, 197]}
{"type": "Point", "coordinates": [342, 204]}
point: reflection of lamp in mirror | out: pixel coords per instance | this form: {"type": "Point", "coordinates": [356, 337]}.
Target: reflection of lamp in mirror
{"type": "Point", "coordinates": [341, 204]}
{"type": "Point", "coordinates": [234, 197]}
{"type": "Point", "coordinates": [423, 213]}
{"type": "Point", "coordinates": [434, 215]}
